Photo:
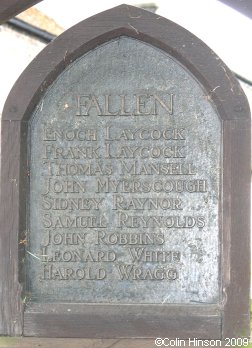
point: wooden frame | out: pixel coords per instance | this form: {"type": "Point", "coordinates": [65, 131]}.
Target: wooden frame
{"type": "Point", "coordinates": [230, 318]}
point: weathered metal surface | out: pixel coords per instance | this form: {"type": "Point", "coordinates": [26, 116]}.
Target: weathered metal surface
{"type": "Point", "coordinates": [38, 313]}
{"type": "Point", "coordinates": [125, 173]}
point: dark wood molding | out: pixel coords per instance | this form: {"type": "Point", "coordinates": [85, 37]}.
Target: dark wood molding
{"type": "Point", "coordinates": [225, 94]}
{"type": "Point", "coordinates": [11, 8]}
{"type": "Point", "coordinates": [142, 25]}
{"type": "Point", "coordinates": [236, 227]}
{"type": "Point", "coordinates": [10, 288]}
{"type": "Point", "coordinates": [113, 321]}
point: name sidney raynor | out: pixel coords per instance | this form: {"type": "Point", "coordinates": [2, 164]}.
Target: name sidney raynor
{"type": "Point", "coordinates": [142, 105]}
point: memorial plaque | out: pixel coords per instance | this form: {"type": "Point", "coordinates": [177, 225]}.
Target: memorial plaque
{"type": "Point", "coordinates": [127, 215]}
{"type": "Point", "coordinates": [125, 166]}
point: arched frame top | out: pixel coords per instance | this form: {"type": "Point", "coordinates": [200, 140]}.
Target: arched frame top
{"type": "Point", "coordinates": [191, 52]}
{"type": "Point", "coordinates": [230, 318]}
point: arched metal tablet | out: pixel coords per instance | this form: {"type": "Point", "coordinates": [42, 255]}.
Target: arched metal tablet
{"type": "Point", "coordinates": [134, 143]}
